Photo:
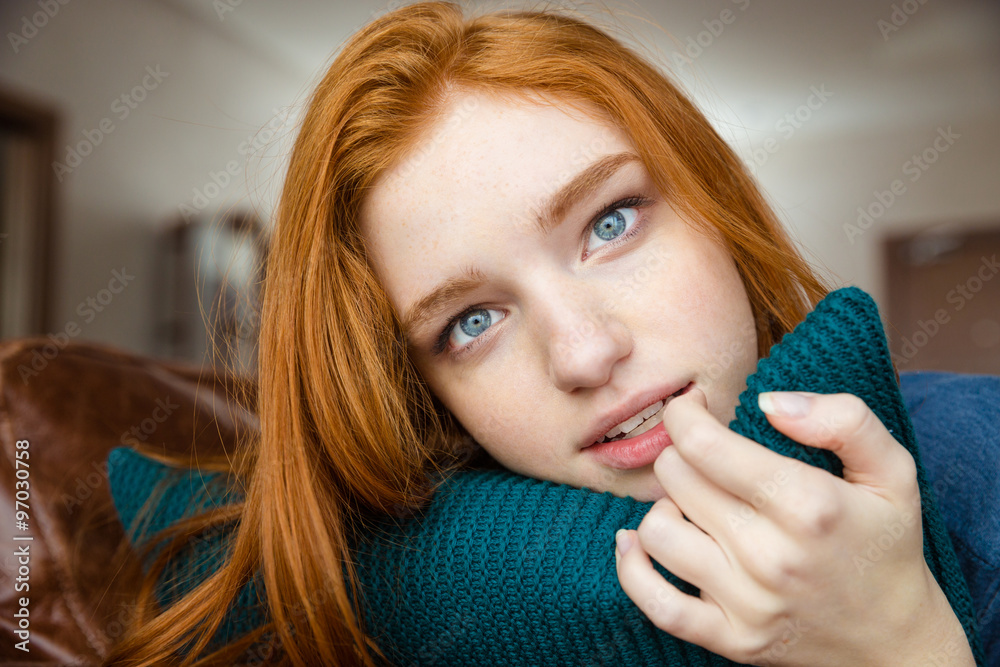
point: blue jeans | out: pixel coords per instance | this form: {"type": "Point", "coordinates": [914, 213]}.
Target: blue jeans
{"type": "Point", "coordinates": [957, 421]}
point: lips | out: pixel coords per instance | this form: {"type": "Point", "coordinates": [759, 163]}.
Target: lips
{"type": "Point", "coordinates": [630, 407]}
{"type": "Point", "coordinates": [631, 453]}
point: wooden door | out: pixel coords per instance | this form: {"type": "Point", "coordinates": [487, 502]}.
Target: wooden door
{"type": "Point", "coordinates": [943, 300]}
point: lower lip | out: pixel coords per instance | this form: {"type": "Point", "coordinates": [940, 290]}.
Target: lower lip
{"type": "Point", "coordinates": [632, 452]}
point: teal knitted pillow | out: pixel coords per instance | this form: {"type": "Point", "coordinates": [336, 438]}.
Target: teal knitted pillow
{"type": "Point", "coordinates": [504, 569]}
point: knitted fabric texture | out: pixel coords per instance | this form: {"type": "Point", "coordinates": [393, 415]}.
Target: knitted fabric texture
{"type": "Point", "coordinates": [502, 569]}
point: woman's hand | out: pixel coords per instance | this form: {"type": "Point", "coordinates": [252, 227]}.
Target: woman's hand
{"type": "Point", "coordinates": [796, 566]}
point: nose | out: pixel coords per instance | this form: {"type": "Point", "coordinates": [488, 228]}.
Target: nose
{"type": "Point", "coordinates": [585, 338]}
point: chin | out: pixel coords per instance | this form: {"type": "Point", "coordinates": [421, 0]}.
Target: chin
{"type": "Point", "coordinates": [646, 491]}
{"type": "Point", "coordinates": [649, 496]}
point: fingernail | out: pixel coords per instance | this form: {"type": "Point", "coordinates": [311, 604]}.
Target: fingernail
{"type": "Point", "coordinates": [785, 403]}
{"type": "Point", "coordinates": [623, 541]}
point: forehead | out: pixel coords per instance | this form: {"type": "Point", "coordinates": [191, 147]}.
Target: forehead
{"type": "Point", "coordinates": [487, 165]}
{"type": "Point", "coordinates": [523, 147]}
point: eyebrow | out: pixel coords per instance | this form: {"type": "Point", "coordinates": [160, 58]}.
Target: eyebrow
{"type": "Point", "coordinates": [553, 211]}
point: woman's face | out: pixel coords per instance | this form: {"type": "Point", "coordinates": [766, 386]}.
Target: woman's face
{"type": "Point", "coordinates": [544, 310]}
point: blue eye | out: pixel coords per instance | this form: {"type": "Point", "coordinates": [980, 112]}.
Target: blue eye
{"type": "Point", "coordinates": [613, 223]}
{"type": "Point", "coordinates": [470, 324]}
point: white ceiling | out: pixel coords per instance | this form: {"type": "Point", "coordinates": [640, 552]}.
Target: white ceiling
{"type": "Point", "coordinates": [942, 63]}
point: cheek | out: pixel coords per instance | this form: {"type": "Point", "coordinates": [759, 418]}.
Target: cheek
{"type": "Point", "coordinates": [501, 408]}
{"type": "Point", "coordinates": [697, 312]}
{"type": "Point", "coordinates": [688, 295]}
{"type": "Point", "coordinates": [728, 338]}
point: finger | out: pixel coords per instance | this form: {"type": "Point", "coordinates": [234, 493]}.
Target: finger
{"type": "Point", "coordinates": [743, 533]}
{"type": "Point", "coordinates": [683, 548]}
{"type": "Point", "coordinates": [709, 506]}
{"type": "Point", "coordinates": [684, 616]}
{"type": "Point", "coordinates": [846, 426]}
{"type": "Point", "coordinates": [745, 469]}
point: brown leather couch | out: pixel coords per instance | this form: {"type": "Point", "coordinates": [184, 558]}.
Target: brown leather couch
{"type": "Point", "coordinates": [73, 403]}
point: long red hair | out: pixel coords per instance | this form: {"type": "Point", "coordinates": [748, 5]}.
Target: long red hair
{"type": "Point", "coordinates": [347, 427]}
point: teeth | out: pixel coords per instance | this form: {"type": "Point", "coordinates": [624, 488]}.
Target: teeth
{"type": "Point", "coordinates": [641, 422]}
{"type": "Point", "coordinates": [630, 424]}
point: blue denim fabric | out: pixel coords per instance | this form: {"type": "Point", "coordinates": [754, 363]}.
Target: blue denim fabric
{"type": "Point", "coordinates": [956, 417]}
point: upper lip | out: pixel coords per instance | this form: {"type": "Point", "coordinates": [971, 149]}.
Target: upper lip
{"type": "Point", "coordinates": [630, 406]}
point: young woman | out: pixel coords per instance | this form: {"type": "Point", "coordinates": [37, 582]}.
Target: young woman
{"type": "Point", "coordinates": [508, 236]}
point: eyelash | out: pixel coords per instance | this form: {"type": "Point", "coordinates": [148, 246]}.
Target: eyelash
{"type": "Point", "coordinates": [631, 201]}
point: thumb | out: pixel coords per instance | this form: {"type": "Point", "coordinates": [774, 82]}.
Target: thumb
{"type": "Point", "coordinates": [846, 426]}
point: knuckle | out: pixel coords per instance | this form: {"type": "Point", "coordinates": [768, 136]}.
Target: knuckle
{"type": "Point", "coordinates": [857, 417]}
{"type": "Point", "coordinates": [816, 509]}
{"type": "Point", "coordinates": [907, 466]}
{"type": "Point", "coordinates": [764, 647]}
{"type": "Point", "coordinates": [667, 458]}
{"type": "Point", "coordinates": [664, 614]}
{"type": "Point", "coordinates": [789, 569]}
{"type": "Point", "coordinates": [846, 415]}
{"type": "Point", "coordinates": [906, 470]}
{"type": "Point", "coordinates": [664, 506]}
{"type": "Point", "coordinates": [654, 527]}
{"type": "Point", "coordinates": [700, 434]}
{"type": "Point", "coordinates": [700, 442]}
{"type": "Point", "coordinates": [779, 567]}
{"type": "Point", "coordinates": [771, 609]}
{"type": "Point", "coordinates": [752, 647]}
